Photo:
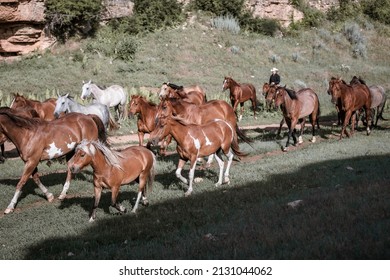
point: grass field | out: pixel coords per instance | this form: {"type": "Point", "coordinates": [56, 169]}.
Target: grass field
{"type": "Point", "coordinates": [342, 187]}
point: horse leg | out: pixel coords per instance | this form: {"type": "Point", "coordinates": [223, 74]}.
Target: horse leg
{"type": "Point", "coordinates": [191, 176]}
{"type": "Point", "coordinates": [114, 202]}
{"type": "Point", "coordinates": [288, 121]}
{"type": "Point", "coordinates": [178, 171]}
{"type": "Point", "coordinates": [221, 165]}
{"type": "Point", "coordinates": [69, 175]}
{"type": "Point", "coordinates": [98, 193]}
{"type": "Point", "coordinates": [2, 157]}
{"type": "Point", "coordinates": [368, 118]}
{"type": "Point", "coordinates": [29, 168]}
{"type": "Point", "coordinates": [313, 121]}
{"type": "Point", "coordinates": [230, 156]}
{"type": "Point", "coordinates": [280, 126]}
{"type": "Point", "coordinates": [141, 192]}
{"type": "Point", "coordinates": [141, 138]}
{"type": "Point", "coordinates": [303, 123]}
{"type": "Point", "coordinates": [347, 116]}
{"type": "Point", "coordinates": [35, 176]}
{"type": "Point", "coordinates": [242, 108]}
{"type": "Point", "coordinates": [209, 160]}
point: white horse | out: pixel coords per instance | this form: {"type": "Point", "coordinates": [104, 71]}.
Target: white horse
{"type": "Point", "coordinates": [67, 104]}
{"type": "Point", "coordinates": [113, 96]}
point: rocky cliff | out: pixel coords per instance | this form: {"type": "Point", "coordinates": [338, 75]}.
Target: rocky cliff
{"type": "Point", "coordinates": [22, 22]}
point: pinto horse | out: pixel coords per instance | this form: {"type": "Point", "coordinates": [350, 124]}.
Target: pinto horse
{"type": "Point", "coordinates": [193, 94]}
{"type": "Point", "coordinates": [195, 141]}
{"type": "Point", "coordinates": [113, 169]}
{"type": "Point", "coordinates": [296, 106]}
{"type": "Point", "coordinates": [378, 99]}
{"type": "Point", "coordinates": [240, 93]}
{"type": "Point", "coordinates": [351, 99]}
{"type": "Point", "coordinates": [38, 140]}
{"type": "Point", "coordinates": [45, 109]}
{"type": "Point", "coordinates": [146, 122]}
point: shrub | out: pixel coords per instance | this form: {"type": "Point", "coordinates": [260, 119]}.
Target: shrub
{"type": "Point", "coordinates": [227, 23]}
{"type": "Point", "coordinates": [261, 25]}
{"type": "Point", "coordinates": [219, 7]}
{"type": "Point", "coordinates": [354, 36]}
{"type": "Point", "coordinates": [66, 18]}
{"type": "Point", "coordinates": [347, 9]}
{"type": "Point", "coordinates": [378, 10]}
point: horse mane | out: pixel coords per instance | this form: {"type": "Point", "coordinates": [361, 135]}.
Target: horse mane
{"type": "Point", "coordinates": [291, 93]}
{"type": "Point", "coordinates": [182, 120]}
{"type": "Point", "coordinates": [358, 79]}
{"type": "Point", "coordinates": [111, 156]}
{"type": "Point", "coordinates": [174, 86]}
{"type": "Point", "coordinates": [19, 120]}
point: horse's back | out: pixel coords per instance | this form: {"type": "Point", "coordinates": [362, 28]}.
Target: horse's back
{"type": "Point", "coordinates": [309, 101]}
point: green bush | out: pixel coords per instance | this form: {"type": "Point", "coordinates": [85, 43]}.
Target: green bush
{"type": "Point", "coordinates": [348, 9]}
{"type": "Point", "coordinates": [234, 8]}
{"type": "Point", "coordinates": [261, 25]}
{"type": "Point", "coordinates": [66, 18]}
{"type": "Point", "coordinates": [378, 10]}
{"type": "Point", "coordinates": [227, 23]}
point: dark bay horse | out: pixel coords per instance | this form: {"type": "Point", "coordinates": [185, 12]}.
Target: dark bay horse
{"type": "Point", "coordinates": [193, 94]}
{"type": "Point", "coordinates": [240, 93]}
{"type": "Point", "coordinates": [38, 140]}
{"type": "Point", "coordinates": [45, 109]}
{"type": "Point", "coordinates": [113, 169]}
{"type": "Point", "coordinates": [146, 121]}
{"type": "Point", "coordinates": [27, 112]}
{"type": "Point", "coordinates": [378, 99]}
{"type": "Point", "coordinates": [296, 106]}
{"type": "Point", "coordinates": [351, 99]}
{"type": "Point", "coordinates": [195, 141]}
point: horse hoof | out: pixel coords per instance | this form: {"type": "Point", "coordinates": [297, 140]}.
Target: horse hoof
{"type": "Point", "coordinates": [8, 210]}
{"type": "Point", "coordinates": [50, 197]}
{"type": "Point", "coordinates": [284, 149]}
{"type": "Point", "coordinates": [91, 220]}
{"type": "Point", "coordinates": [226, 181]}
{"type": "Point", "coordinates": [62, 196]}
{"type": "Point", "coordinates": [187, 194]}
{"type": "Point", "coordinates": [300, 140]}
{"type": "Point", "coordinates": [313, 140]}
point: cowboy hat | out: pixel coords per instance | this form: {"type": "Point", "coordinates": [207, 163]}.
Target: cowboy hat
{"type": "Point", "coordinates": [274, 69]}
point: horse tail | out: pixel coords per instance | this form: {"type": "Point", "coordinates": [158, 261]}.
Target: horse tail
{"type": "Point", "coordinates": [318, 113]}
{"type": "Point", "coordinates": [112, 125]}
{"type": "Point", "coordinates": [236, 149]}
{"type": "Point", "coordinates": [383, 107]}
{"type": "Point", "coordinates": [102, 134]}
{"type": "Point", "coordinates": [242, 136]}
{"type": "Point", "coordinates": [152, 174]}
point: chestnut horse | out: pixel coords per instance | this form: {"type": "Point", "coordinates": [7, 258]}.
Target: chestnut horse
{"type": "Point", "coordinates": [146, 121]}
{"type": "Point", "coordinates": [296, 106]}
{"type": "Point", "coordinates": [378, 99]}
{"type": "Point", "coordinates": [37, 140]}
{"type": "Point", "coordinates": [195, 141]}
{"type": "Point", "coordinates": [25, 112]}
{"type": "Point", "coordinates": [240, 93]}
{"type": "Point", "coordinates": [351, 99]}
{"type": "Point", "coordinates": [45, 109]}
{"type": "Point", "coordinates": [113, 169]}
{"type": "Point", "coordinates": [193, 94]}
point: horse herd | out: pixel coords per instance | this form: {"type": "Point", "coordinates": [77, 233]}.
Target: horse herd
{"type": "Point", "coordinates": [60, 127]}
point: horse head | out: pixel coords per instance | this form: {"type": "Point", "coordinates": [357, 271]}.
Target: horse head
{"type": "Point", "coordinates": [61, 105]}
{"type": "Point", "coordinates": [86, 90]}
{"type": "Point", "coordinates": [226, 83]}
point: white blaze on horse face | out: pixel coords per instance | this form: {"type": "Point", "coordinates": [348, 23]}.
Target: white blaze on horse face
{"type": "Point", "coordinates": [53, 151]}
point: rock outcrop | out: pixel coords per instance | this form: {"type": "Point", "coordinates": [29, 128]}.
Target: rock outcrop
{"type": "Point", "coordinates": [22, 22]}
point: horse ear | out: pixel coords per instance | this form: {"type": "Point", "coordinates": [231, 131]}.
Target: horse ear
{"type": "Point", "coordinates": [66, 95]}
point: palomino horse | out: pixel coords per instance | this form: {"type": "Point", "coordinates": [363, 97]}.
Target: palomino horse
{"type": "Point", "coordinates": [38, 140]}
{"type": "Point", "coordinates": [296, 106]}
{"type": "Point", "coordinates": [113, 96]}
{"type": "Point", "coordinates": [45, 109]}
{"type": "Point", "coordinates": [351, 99]}
{"type": "Point", "coordinates": [146, 122]}
{"type": "Point", "coordinates": [27, 112]}
{"type": "Point", "coordinates": [66, 104]}
{"type": "Point", "coordinates": [195, 141]}
{"type": "Point", "coordinates": [378, 99]}
{"type": "Point", "coordinates": [193, 94]}
{"type": "Point", "coordinates": [240, 93]}
{"type": "Point", "coordinates": [113, 169]}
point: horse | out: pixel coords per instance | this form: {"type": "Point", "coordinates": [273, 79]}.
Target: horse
{"type": "Point", "coordinates": [296, 106]}
{"type": "Point", "coordinates": [26, 112]}
{"type": "Point", "coordinates": [113, 96]}
{"type": "Point", "coordinates": [45, 109]}
{"type": "Point", "coordinates": [195, 141]}
{"type": "Point", "coordinates": [378, 99]}
{"type": "Point", "coordinates": [213, 109]}
{"type": "Point", "coordinates": [66, 104]}
{"type": "Point", "coordinates": [39, 140]}
{"type": "Point", "coordinates": [240, 93]}
{"type": "Point", "coordinates": [113, 169]}
{"type": "Point", "coordinates": [146, 121]}
{"type": "Point", "coordinates": [193, 94]}
{"type": "Point", "coordinates": [351, 99]}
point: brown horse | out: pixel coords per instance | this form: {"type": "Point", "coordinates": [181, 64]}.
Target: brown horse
{"type": "Point", "coordinates": [240, 93]}
{"type": "Point", "coordinates": [193, 94]}
{"type": "Point", "coordinates": [45, 109]}
{"type": "Point", "coordinates": [24, 112]}
{"type": "Point", "coordinates": [37, 140]}
{"type": "Point", "coordinates": [195, 141]}
{"type": "Point", "coordinates": [378, 99]}
{"type": "Point", "coordinates": [146, 122]}
{"type": "Point", "coordinates": [296, 106]}
{"type": "Point", "coordinates": [113, 169]}
{"type": "Point", "coordinates": [269, 92]}
{"type": "Point", "coordinates": [351, 99]}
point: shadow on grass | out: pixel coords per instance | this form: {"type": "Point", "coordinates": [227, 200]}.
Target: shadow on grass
{"type": "Point", "coordinates": [344, 213]}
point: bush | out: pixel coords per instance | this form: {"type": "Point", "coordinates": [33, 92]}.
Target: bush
{"type": "Point", "coordinates": [227, 23]}
{"type": "Point", "coordinates": [261, 25]}
{"type": "Point", "coordinates": [233, 8]}
{"type": "Point", "coordinates": [348, 9]}
{"type": "Point", "coordinates": [66, 18]}
{"type": "Point", "coordinates": [378, 10]}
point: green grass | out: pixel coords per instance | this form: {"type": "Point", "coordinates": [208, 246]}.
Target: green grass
{"type": "Point", "coordinates": [344, 185]}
